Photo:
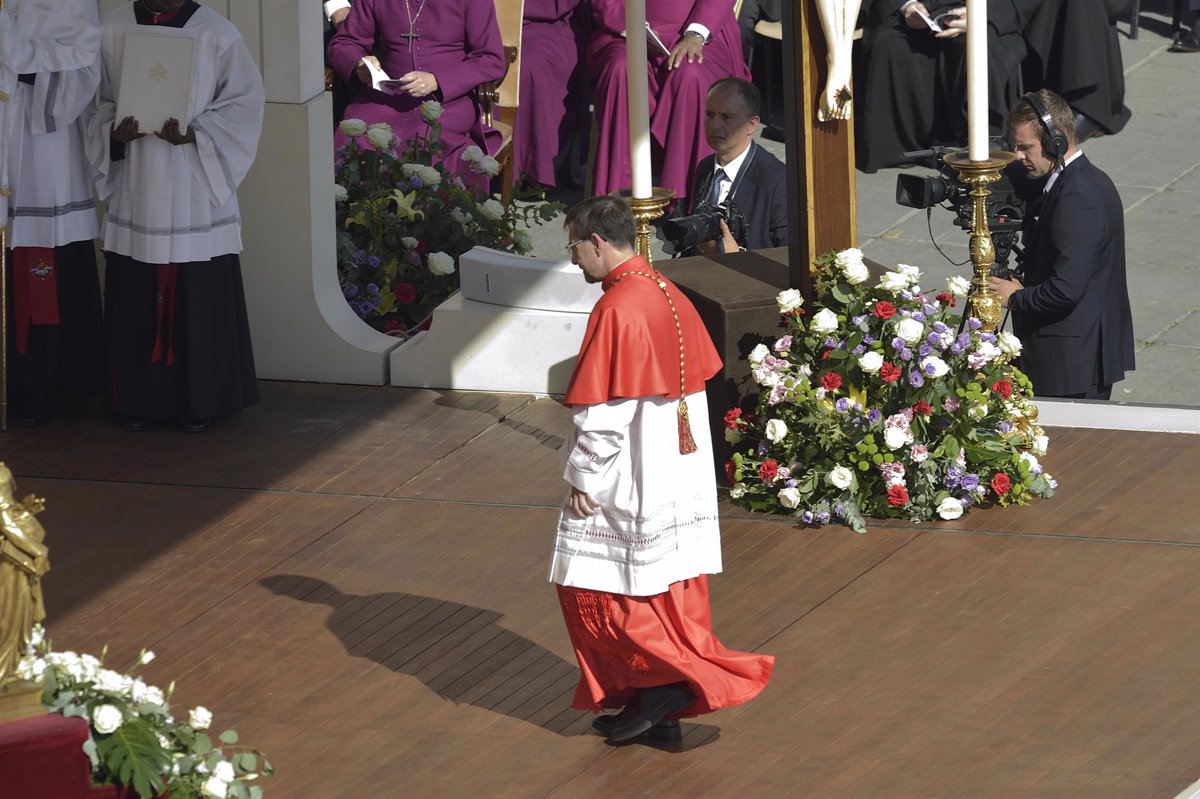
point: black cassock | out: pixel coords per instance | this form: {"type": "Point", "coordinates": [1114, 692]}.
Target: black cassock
{"type": "Point", "coordinates": [1074, 52]}
{"type": "Point", "coordinates": [910, 87]}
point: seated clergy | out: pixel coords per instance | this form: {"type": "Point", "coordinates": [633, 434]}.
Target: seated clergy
{"type": "Point", "coordinates": [702, 45]}
{"type": "Point", "coordinates": [438, 50]}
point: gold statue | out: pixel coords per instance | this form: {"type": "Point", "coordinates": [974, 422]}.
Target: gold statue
{"type": "Point", "coordinates": [24, 558]}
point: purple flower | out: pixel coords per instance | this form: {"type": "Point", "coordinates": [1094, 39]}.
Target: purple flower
{"type": "Point", "coordinates": [839, 509]}
{"type": "Point", "coordinates": [807, 517]}
{"type": "Point", "coordinates": [874, 415]}
{"type": "Point", "coordinates": [951, 404]}
{"type": "Point", "coordinates": [373, 261]}
{"type": "Point", "coordinates": [842, 404]}
{"type": "Point", "coordinates": [859, 350]}
{"type": "Point", "coordinates": [791, 483]}
{"type": "Point", "coordinates": [762, 448]}
{"type": "Point", "coordinates": [906, 354]}
{"type": "Point", "coordinates": [1050, 481]}
{"type": "Point", "coordinates": [415, 182]}
{"type": "Point", "coordinates": [915, 380]}
{"type": "Point", "coordinates": [969, 481]}
{"type": "Point", "coordinates": [830, 343]}
{"type": "Point", "coordinates": [869, 339]}
{"type": "Point", "coordinates": [974, 323]}
{"type": "Point", "coordinates": [917, 315]}
{"type": "Point", "coordinates": [823, 517]}
{"type": "Point", "coordinates": [1004, 427]}
{"type": "Point", "coordinates": [967, 501]}
{"type": "Point", "coordinates": [349, 291]}
{"type": "Point", "coordinates": [990, 338]}
{"type": "Point", "coordinates": [372, 290]}
{"type": "Point", "coordinates": [922, 351]}
{"type": "Point", "coordinates": [858, 320]}
{"type": "Point", "coordinates": [898, 344]}
{"type": "Point", "coordinates": [414, 258]}
{"type": "Point", "coordinates": [930, 310]}
{"type": "Point", "coordinates": [360, 258]}
{"type": "Point", "coordinates": [939, 327]}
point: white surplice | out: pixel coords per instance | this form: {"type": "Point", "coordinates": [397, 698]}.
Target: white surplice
{"type": "Point", "coordinates": [178, 204]}
{"type": "Point", "coordinates": [658, 521]}
{"type": "Point", "coordinates": [59, 41]}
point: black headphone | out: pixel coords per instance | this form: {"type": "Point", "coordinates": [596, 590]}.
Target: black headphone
{"type": "Point", "coordinates": [1054, 141]}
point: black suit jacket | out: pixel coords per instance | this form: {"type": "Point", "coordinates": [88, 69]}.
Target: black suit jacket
{"type": "Point", "coordinates": [760, 193]}
{"type": "Point", "coordinates": [1073, 315]}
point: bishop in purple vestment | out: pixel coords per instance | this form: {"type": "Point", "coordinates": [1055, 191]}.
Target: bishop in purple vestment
{"type": "Point", "coordinates": [552, 86]}
{"type": "Point", "coordinates": [456, 41]}
{"type": "Point", "coordinates": [676, 95]}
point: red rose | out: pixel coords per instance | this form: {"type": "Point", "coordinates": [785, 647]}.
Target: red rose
{"type": "Point", "coordinates": [1003, 388]}
{"type": "Point", "coordinates": [731, 471]}
{"type": "Point", "coordinates": [392, 326]}
{"type": "Point", "coordinates": [946, 298]}
{"type": "Point", "coordinates": [422, 246]}
{"type": "Point", "coordinates": [825, 354]}
{"type": "Point", "coordinates": [1001, 484]}
{"type": "Point", "coordinates": [897, 496]}
{"type": "Point", "coordinates": [889, 373]}
{"type": "Point", "coordinates": [768, 470]}
{"type": "Point", "coordinates": [922, 407]}
{"type": "Point", "coordinates": [831, 381]}
{"type": "Point", "coordinates": [884, 309]}
{"type": "Point", "coordinates": [405, 293]}
{"type": "Point", "coordinates": [733, 418]}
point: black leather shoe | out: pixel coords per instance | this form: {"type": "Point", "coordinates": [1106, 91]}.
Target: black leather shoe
{"type": "Point", "coordinates": [1086, 128]}
{"type": "Point", "coordinates": [655, 704]}
{"type": "Point", "coordinates": [664, 731]}
{"type": "Point", "coordinates": [1188, 43]}
{"type": "Point", "coordinates": [196, 425]}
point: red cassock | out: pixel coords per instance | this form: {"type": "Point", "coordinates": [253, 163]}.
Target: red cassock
{"type": "Point", "coordinates": [676, 96]}
{"type": "Point", "coordinates": [623, 642]}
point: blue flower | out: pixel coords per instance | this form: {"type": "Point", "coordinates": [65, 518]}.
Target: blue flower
{"type": "Point", "coordinates": [859, 350]}
{"type": "Point", "coordinates": [823, 517]}
{"type": "Point", "coordinates": [373, 261]}
{"type": "Point", "coordinates": [830, 343]}
{"type": "Point", "coordinates": [415, 182]}
{"type": "Point", "coordinates": [360, 258]}
{"type": "Point", "coordinates": [967, 501]}
{"type": "Point", "coordinates": [974, 323]}
{"type": "Point", "coordinates": [1004, 427]}
{"type": "Point", "coordinates": [349, 291]}
{"type": "Point", "coordinates": [898, 343]}
{"type": "Point", "coordinates": [869, 339]}
{"type": "Point", "coordinates": [924, 350]}
{"type": "Point", "coordinates": [762, 448]}
{"type": "Point", "coordinates": [930, 310]}
{"type": "Point", "coordinates": [917, 315]}
{"type": "Point", "coordinates": [990, 338]}
{"type": "Point", "coordinates": [939, 327]}
{"type": "Point", "coordinates": [842, 404]}
{"type": "Point", "coordinates": [915, 380]}
{"type": "Point", "coordinates": [874, 415]}
{"type": "Point", "coordinates": [839, 509]}
{"type": "Point", "coordinates": [807, 517]}
{"type": "Point", "coordinates": [906, 354]}
{"type": "Point", "coordinates": [372, 290]}
{"type": "Point", "coordinates": [791, 483]}
{"type": "Point", "coordinates": [969, 481]}
{"type": "Point", "coordinates": [858, 320]}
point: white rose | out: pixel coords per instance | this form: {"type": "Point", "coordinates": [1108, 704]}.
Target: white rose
{"type": "Point", "coordinates": [109, 681]}
{"type": "Point", "coordinates": [409, 242]}
{"type": "Point", "coordinates": [758, 354]}
{"type": "Point", "coordinates": [893, 281]}
{"type": "Point", "coordinates": [896, 437]}
{"type": "Point", "coordinates": [353, 127]}
{"type": "Point", "coordinates": [460, 217]}
{"type": "Point", "coordinates": [426, 174]}
{"type": "Point", "coordinates": [911, 273]}
{"type": "Point", "coordinates": [848, 256]}
{"type": "Point", "coordinates": [934, 366]}
{"type": "Point", "coordinates": [472, 154]}
{"type": "Point", "coordinates": [137, 691]}
{"type": "Point", "coordinates": [789, 300]}
{"type": "Point", "coordinates": [739, 490]}
{"type": "Point", "coordinates": [733, 436]}
{"type": "Point", "coordinates": [789, 497]}
{"type": "Point", "coordinates": [440, 263]}
{"type": "Point", "coordinates": [1030, 460]}
{"type": "Point", "coordinates": [775, 430]}
{"type": "Point", "coordinates": [910, 329]}
{"type": "Point", "coordinates": [379, 139]}
{"type": "Point", "coordinates": [106, 719]}
{"type": "Point", "coordinates": [492, 209]}
{"type": "Point", "coordinates": [224, 771]}
{"type": "Point", "coordinates": [870, 362]}
{"type": "Point", "coordinates": [825, 321]}
{"type": "Point", "coordinates": [216, 787]}
{"type": "Point", "coordinates": [146, 657]}
{"type": "Point", "coordinates": [200, 718]}
{"type": "Point", "coordinates": [1040, 443]}
{"type": "Point", "coordinates": [959, 286]}
{"type": "Point", "coordinates": [840, 477]}
{"type": "Point", "coordinates": [522, 241]}
{"type": "Point", "coordinates": [431, 111]}
{"type": "Point", "coordinates": [154, 695]}
{"type": "Point", "coordinates": [1009, 344]}
{"type": "Point", "coordinates": [856, 273]}
{"type": "Point", "coordinates": [950, 508]}
{"type": "Point", "coordinates": [339, 193]}
{"type": "Point", "coordinates": [487, 165]}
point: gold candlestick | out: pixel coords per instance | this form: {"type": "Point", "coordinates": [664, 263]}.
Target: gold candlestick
{"type": "Point", "coordinates": [984, 304]}
{"type": "Point", "coordinates": [645, 211]}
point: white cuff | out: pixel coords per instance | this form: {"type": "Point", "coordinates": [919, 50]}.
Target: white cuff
{"type": "Point", "coordinates": [696, 27]}
{"type": "Point", "coordinates": [337, 5]}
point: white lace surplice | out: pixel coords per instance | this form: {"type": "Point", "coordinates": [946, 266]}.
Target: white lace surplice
{"type": "Point", "coordinates": [657, 522]}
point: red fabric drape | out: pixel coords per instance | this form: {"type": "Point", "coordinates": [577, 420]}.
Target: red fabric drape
{"type": "Point", "coordinates": [35, 291]}
{"type": "Point", "coordinates": [626, 642]}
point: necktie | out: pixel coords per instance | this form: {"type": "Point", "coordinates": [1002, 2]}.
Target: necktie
{"type": "Point", "coordinates": [714, 192]}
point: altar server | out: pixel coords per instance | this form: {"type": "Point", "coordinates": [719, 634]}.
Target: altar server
{"type": "Point", "coordinates": [639, 531]}
{"type": "Point", "coordinates": [176, 327]}
{"type": "Point", "coordinates": [49, 71]}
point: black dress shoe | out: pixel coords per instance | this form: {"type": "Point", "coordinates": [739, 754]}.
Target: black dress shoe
{"type": "Point", "coordinates": [1188, 43]}
{"type": "Point", "coordinates": [655, 705]}
{"type": "Point", "coordinates": [664, 731]}
{"type": "Point", "coordinates": [196, 425]}
{"type": "Point", "coordinates": [1086, 128]}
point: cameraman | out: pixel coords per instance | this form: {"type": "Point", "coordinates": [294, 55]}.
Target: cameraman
{"type": "Point", "coordinates": [1072, 312]}
{"type": "Point", "coordinates": [747, 177]}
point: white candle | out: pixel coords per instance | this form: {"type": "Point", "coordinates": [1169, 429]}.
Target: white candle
{"type": "Point", "coordinates": [638, 90]}
{"type": "Point", "coordinates": [977, 78]}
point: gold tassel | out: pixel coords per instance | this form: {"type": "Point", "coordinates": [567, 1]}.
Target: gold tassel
{"type": "Point", "coordinates": [687, 444]}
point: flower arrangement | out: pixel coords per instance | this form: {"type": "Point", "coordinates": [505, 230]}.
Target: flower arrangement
{"type": "Point", "coordinates": [403, 220]}
{"type": "Point", "coordinates": [884, 403]}
{"type": "Point", "coordinates": [133, 740]}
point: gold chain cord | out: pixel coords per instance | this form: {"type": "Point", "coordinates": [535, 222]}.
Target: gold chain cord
{"type": "Point", "coordinates": [687, 444]}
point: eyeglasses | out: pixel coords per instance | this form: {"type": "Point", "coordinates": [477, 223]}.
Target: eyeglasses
{"type": "Point", "coordinates": [570, 248]}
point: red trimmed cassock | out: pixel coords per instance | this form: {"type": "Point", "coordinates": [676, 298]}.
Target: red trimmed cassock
{"type": "Point", "coordinates": [632, 579]}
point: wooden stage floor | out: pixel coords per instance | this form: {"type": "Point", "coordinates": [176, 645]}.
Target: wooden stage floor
{"type": "Point", "coordinates": [354, 579]}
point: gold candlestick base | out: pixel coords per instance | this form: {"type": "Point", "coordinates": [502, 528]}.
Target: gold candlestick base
{"type": "Point", "coordinates": [985, 304]}
{"type": "Point", "coordinates": [645, 211]}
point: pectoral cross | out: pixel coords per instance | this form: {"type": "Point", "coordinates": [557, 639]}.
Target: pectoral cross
{"type": "Point", "coordinates": [410, 36]}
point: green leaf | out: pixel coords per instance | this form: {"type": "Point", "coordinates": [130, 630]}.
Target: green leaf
{"type": "Point", "coordinates": [229, 737]}
{"type": "Point", "coordinates": [203, 745]}
{"type": "Point", "coordinates": [249, 762]}
{"type": "Point", "coordinates": [256, 792]}
{"type": "Point", "coordinates": [134, 756]}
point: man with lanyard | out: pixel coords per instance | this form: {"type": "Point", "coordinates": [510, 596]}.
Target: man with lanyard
{"type": "Point", "coordinates": [639, 532]}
